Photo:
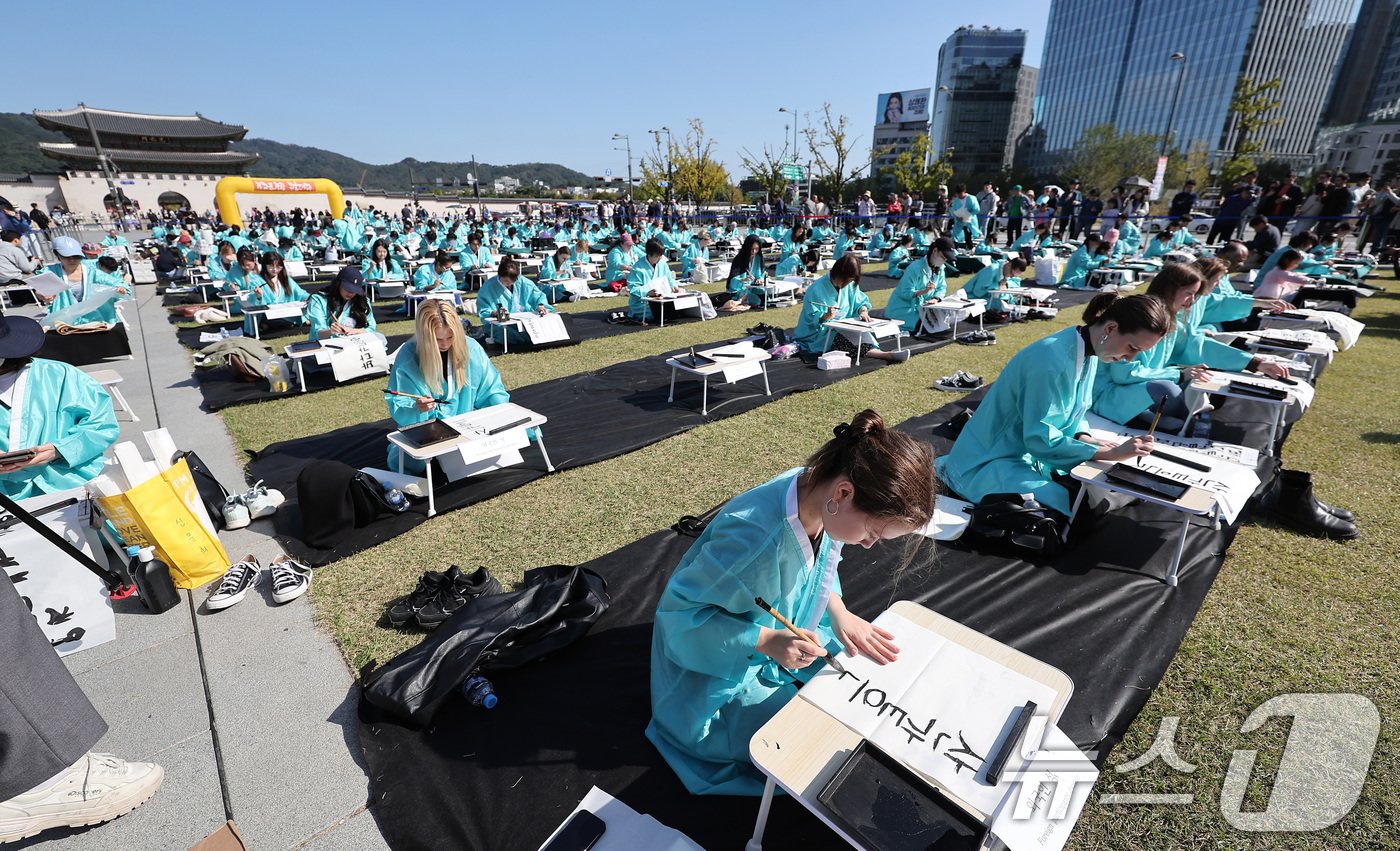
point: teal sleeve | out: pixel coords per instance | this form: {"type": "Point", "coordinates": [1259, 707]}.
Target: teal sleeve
{"type": "Point", "coordinates": [90, 424]}
{"type": "Point", "coordinates": [316, 316]}
{"type": "Point", "coordinates": [1137, 371]}
{"type": "Point", "coordinates": [1046, 402]}
{"type": "Point", "coordinates": [707, 616]}
{"type": "Point", "coordinates": [637, 282]}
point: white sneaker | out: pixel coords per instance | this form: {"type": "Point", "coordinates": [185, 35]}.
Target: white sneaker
{"type": "Point", "coordinates": [97, 788]}
{"type": "Point", "coordinates": [235, 513]}
{"type": "Point", "coordinates": [290, 579]}
{"type": "Point", "coordinates": [238, 579]}
{"type": "Point", "coordinates": [262, 502]}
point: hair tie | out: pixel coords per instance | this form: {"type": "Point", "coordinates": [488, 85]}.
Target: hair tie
{"type": "Point", "coordinates": [842, 431]}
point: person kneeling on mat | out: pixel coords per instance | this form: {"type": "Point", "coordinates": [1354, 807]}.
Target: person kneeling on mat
{"type": "Point", "coordinates": [837, 295]}
{"type": "Point", "coordinates": [716, 658]}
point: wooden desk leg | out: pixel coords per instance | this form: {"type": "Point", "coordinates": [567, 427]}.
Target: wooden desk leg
{"type": "Point", "coordinates": [1170, 578]}
{"type": "Point", "coordinates": [756, 843]}
{"type": "Point", "coordinates": [257, 329]}
{"type": "Point", "coordinates": [671, 397]}
{"type": "Point", "coordinates": [764, 366]}
{"type": "Point", "coordinates": [301, 375]}
{"type": "Point", "coordinates": [705, 396]}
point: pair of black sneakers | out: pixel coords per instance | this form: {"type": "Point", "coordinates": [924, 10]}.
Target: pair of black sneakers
{"type": "Point", "coordinates": [439, 595]}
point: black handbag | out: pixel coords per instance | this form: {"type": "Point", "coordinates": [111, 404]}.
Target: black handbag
{"type": "Point", "coordinates": [335, 498]}
{"type": "Point", "coordinates": [770, 337]}
{"type": "Point", "coordinates": [1018, 522]}
{"type": "Point", "coordinates": [211, 492]}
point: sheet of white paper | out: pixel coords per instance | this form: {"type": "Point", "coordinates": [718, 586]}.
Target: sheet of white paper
{"type": "Point", "coordinates": [940, 708]}
{"type": "Point", "coordinates": [47, 284]}
{"type": "Point", "coordinates": [1302, 392]}
{"type": "Point", "coordinates": [1232, 478]}
{"type": "Point", "coordinates": [627, 829]}
{"type": "Point", "coordinates": [542, 329]}
{"type": "Point", "coordinates": [1344, 326]}
{"type": "Point", "coordinates": [1050, 794]}
{"type": "Point", "coordinates": [949, 519]}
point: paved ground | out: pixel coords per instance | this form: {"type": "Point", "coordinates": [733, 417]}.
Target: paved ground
{"type": "Point", "coordinates": [250, 710]}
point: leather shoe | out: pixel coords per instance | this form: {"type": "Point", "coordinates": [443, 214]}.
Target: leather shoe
{"type": "Point", "coordinates": [1304, 479]}
{"type": "Point", "coordinates": [1295, 507]}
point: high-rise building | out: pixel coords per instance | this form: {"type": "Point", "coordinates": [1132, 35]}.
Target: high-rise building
{"type": "Point", "coordinates": [1363, 119]}
{"type": "Point", "coordinates": [1110, 62]}
{"type": "Point", "coordinates": [982, 101]}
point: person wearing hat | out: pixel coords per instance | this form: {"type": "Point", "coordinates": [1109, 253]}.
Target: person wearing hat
{"type": "Point", "coordinates": [52, 408]}
{"type": "Point", "coordinates": [85, 282]}
{"type": "Point", "coordinates": [922, 283]}
{"type": "Point", "coordinates": [623, 256]}
{"type": "Point", "coordinates": [341, 309]}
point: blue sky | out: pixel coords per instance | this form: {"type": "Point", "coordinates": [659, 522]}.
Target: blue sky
{"type": "Point", "coordinates": [509, 82]}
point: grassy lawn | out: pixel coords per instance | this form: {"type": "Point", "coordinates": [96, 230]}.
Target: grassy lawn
{"type": "Point", "coordinates": [1287, 614]}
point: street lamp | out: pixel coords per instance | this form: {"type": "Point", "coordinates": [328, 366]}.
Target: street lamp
{"type": "Point", "coordinates": [669, 144]}
{"type": "Point", "coordinates": [795, 120]}
{"type": "Point", "coordinates": [627, 139]}
{"type": "Point", "coordinates": [1178, 56]}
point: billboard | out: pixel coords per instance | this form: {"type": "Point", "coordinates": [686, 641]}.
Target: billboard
{"type": "Point", "coordinates": [898, 107]}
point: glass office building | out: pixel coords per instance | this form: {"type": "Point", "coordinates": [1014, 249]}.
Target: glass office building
{"type": "Point", "coordinates": [982, 101]}
{"type": "Point", "coordinates": [1108, 61]}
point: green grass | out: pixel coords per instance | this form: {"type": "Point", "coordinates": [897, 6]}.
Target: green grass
{"type": "Point", "coordinates": [1287, 613]}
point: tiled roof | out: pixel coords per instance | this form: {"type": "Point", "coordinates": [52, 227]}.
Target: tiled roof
{"type": "Point", "coordinates": [125, 159]}
{"type": "Point", "coordinates": [138, 123]}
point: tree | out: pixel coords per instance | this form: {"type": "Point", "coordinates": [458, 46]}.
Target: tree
{"type": "Point", "coordinates": [766, 169]}
{"type": "Point", "coordinates": [913, 170]}
{"type": "Point", "coordinates": [1103, 157]}
{"type": "Point", "coordinates": [1194, 165]}
{"type": "Point", "coordinates": [694, 171]}
{"type": "Point", "coordinates": [832, 146]}
{"type": "Point", "coordinates": [1250, 105]}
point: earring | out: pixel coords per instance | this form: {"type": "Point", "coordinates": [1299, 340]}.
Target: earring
{"type": "Point", "coordinates": [1103, 339]}
{"type": "Point", "coordinates": [832, 507]}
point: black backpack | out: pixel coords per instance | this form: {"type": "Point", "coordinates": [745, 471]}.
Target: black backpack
{"type": "Point", "coordinates": [335, 498]}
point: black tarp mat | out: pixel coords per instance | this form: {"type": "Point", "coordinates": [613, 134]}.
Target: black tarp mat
{"type": "Point", "coordinates": [593, 416]}
{"type": "Point", "coordinates": [504, 779]}
{"type": "Point", "coordinates": [85, 349]}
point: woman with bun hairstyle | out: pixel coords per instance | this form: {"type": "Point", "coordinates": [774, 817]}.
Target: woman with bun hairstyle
{"type": "Point", "coordinates": [1031, 426]}
{"type": "Point", "coordinates": [716, 658]}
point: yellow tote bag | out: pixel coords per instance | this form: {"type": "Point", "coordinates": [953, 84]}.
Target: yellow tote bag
{"type": "Point", "coordinates": [160, 512]}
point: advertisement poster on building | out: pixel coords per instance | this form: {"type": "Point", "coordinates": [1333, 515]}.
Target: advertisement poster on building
{"type": "Point", "coordinates": [902, 107]}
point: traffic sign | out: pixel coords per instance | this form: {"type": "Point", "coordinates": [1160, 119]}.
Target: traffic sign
{"type": "Point", "coordinates": [794, 172]}
{"type": "Point", "coordinates": [663, 183]}
{"type": "Point", "coordinates": [607, 172]}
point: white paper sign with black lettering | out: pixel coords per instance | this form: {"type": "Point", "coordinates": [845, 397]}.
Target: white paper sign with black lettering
{"type": "Point", "coordinates": [69, 602]}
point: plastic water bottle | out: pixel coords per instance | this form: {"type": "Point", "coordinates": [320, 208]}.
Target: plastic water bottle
{"type": "Point", "coordinates": [278, 374]}
{"type": "Point", "coordinates": [395, 497]}
{"type": "Point", "coordinates": [479, 692]}
{"type": "Point", "coordinates": [153, 582]}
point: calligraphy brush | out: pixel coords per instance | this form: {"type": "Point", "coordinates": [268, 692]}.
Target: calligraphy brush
{"type": "Point", "coordinates": [828, 656]}
{"type": "Point", "coordinates": [415, 396]}
{"type": "Point", "coordinates": [1161, 403]}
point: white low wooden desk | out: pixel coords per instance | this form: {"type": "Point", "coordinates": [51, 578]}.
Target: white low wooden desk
{"type": "Point", "coordinates": [413, 298]}
{"type": "Point", "coordinates": [1316, 354]}
{"type": "Point", "coordinates": [386, 287]}
{"type": "Point", "coordinates": [778, 290]}
{"type": "Point", "coordinates": [729, 369]}
{"type": "Point", "coordinates": [683, 301]}
{"type": "Point", "coordinates": [505, 325]}
{"type": "Point", "coordinates": [933, 314]}
{"type": "Point", "coordinates": [1026, 295]}
{"type": "Point", "coordinates": [298, 357]}
{"type": "Point", "coordinates": [817, 744]}
{"type": "Point", "coordinates": [1219, 385]}
{"type": "Point", "coordinates": [286, 310]}
{"type": "Point", "coordinates": [855, 331]}
{"type": "Point", "coordinates": [1195, 502]}
{"type": "Point", "coordinates": [229, 298]}
{"type": "Point", "coordinates": [473, 427]}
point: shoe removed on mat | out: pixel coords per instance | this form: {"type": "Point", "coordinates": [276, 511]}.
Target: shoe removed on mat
{"type": "Point", "coordinates": [977, 338]}
{"type": "Point", "coordinates": [958, 381]}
